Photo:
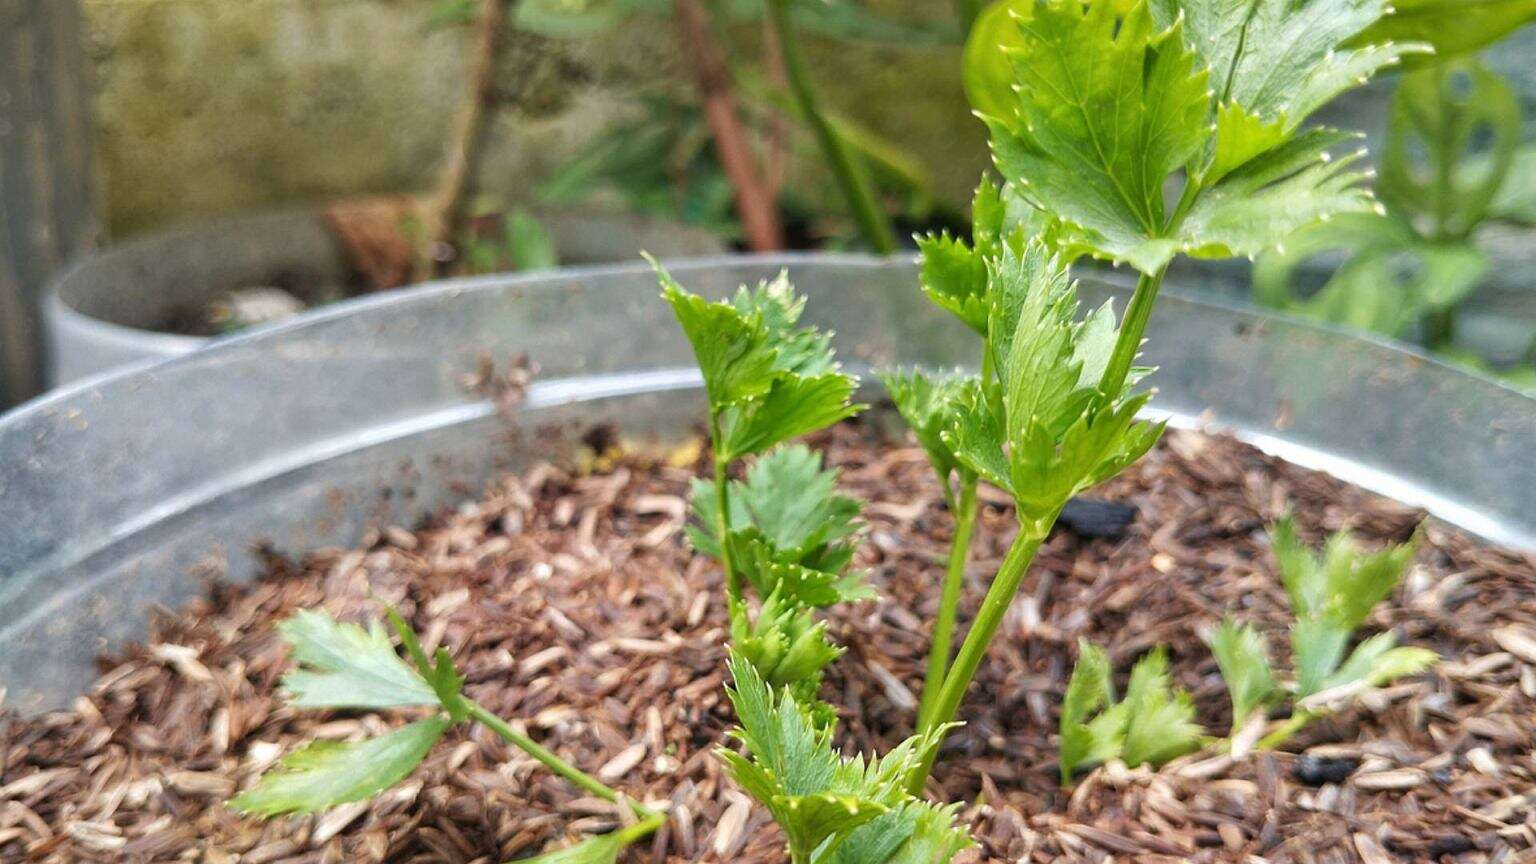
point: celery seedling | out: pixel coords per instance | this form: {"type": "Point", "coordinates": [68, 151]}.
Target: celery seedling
{"type": "Point", "coordinates": [784, 532]}
{"type": "Point", "coordinates": [1100, 120]}
{"type": "Point", "coordinates": [343, 666]}
{"type": "Point", "coordinates": [1154, 723]}
{"type": "Point", "coordinates": [1331, 596]}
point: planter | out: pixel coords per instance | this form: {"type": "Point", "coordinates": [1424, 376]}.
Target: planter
{"type": "Point", "coordinates": [112, 308]}
{"type": "Point", "coordinates": [570, 600]}
{"type": "Point", "coordinates": [115, 492]}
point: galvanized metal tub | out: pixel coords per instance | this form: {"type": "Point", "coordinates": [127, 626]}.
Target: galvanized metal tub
{"type": "Point", "coordinates": [108, 309]}
{"type": "Point", "coordinates": [126, 491]}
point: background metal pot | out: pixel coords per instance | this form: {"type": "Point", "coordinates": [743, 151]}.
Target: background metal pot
{"type": "Point", "coordinates": [112, 307]}
{"type": "Point", "coordinates": [128, 491]}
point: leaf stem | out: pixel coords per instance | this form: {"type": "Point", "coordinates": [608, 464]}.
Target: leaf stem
{"type": "Point", "coordinates": [723, 511]}
{"type": "Point", "coordinates": [1132, 328]}
{"type": "Point", "coordinates": [855, 185]}
{"type": "Point", "coordinates": [949, 600]}
{"type": "Point", "coordinates": [993, 607]}
{"type": "Point", "coordinates": [554, 763]}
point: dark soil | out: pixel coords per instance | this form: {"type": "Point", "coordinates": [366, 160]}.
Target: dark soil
{"type": "Point", "coordinates": [574, 604]}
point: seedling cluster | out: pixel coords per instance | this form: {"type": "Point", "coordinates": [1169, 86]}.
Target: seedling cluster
{"type": "Point", "coordinates": [1130, 134]}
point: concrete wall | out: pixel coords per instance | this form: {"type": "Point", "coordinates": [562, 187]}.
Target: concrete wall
{"type": "Point", "coordinates": [212, 106]}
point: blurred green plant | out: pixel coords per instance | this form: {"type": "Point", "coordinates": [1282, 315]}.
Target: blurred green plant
{"type": "Point", "coordinates": [1452, 165]}
{"type": "Point", "coordinates": [868, 170]}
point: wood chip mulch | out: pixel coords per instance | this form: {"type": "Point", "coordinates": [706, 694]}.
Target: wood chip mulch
{"type": "Point", "coordinates": [573, 604]}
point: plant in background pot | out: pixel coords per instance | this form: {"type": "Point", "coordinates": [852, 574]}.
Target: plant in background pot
{"type": "Point", "coordinates": [1452, 167]}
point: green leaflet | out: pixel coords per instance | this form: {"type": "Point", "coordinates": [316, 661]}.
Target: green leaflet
{"type": "Point", "coordinates": [1154, 723]}
{"type": "Point", "coordinates": [1049, 433]}
{"type": "Point", "coordinates": [1244, 665]}
{"type": "Point", "coordinates": [819, 798]}
{"type": "Point", "coordinates": [930, 404]}
{"type": "Point", "coordinates": [785, 644]}
{"type": "Point", "coordinates": [1160, 719]}
{"type": "Point", "coordinates": [1282, 59]}
{"type": "Point", "coordinates": [327, 773]}
{"type": "Point", "coordinates": [953, 273]}
{"type": "Point", "coordinates": [1258, 205]}
{"type": "Point", "coordinates": [913, 833]}
{"type": "Point", "coordinates": [1113, 105]}
{"type": "Point", "coordinates": [1451, 27]}
{"type": "Point", "coordinates": [794, 502]}
{"type": "Point", "coordinates": [1444, 113]}
{"type": "Point", "coordinates": [1107, 109]}
{"type": "Point", "coordinates": [1088, 691]}
{"type": "Point", "coordinates": [792, 534]}
{"type": "Point", "coordinates": [344, 666]}
{"type": "Point", "coordinates": [1331, 595]}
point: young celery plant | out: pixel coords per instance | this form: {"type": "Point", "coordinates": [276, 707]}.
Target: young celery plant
{"type": "Point", "coordinates": [1331, 596]}
{"type": "Point", "coordinates": [1154, 723]}
{"type": "Point", "coordinates": [343, 666]}
{"type": "Point", "coordinates": [784, 532]}
{"type": "Point", "coordinates": [1095, 116]}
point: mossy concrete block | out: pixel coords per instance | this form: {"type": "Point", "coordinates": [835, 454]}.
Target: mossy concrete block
{"type": "Point", "coordinates": [213, 106]}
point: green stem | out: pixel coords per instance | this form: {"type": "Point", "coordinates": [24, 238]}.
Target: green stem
{"type": "Point", "coordinates": [850, 177]}
{"type": "Point", "coordinates": [554, 763]}
{"type": "Point", "coordinates": [999, 597]}
{"type": "Point", "coordinates": [1291, 726]}
{"type": "Point", "coordinates": [949, 600]}
{"type": "Point", "coordinates": [723, 512]}
{"type": "Point", "coordinates": [1132, 328]}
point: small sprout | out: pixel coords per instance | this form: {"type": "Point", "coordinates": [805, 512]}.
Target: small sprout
{"type": "Point", "coordinates": [344, 666]}
{"type": "Point", "coordinates": [1154, 723]}
{"type": "Point", "coordinates": [1331, 596]}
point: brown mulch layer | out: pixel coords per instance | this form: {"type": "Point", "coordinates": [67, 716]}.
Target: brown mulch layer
{"type": "Point", "coordinates": [574, 604]}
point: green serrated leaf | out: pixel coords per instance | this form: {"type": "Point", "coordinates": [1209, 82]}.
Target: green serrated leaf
{"type": "Point", "coordinates": [792, 406]}
{"type": "Point", "coordinates": [819, 798]}
{"type": "Point", "coordinates": [1331, 595]}
{"type": "Point", "coordinates": [1161, 719]}
{"type": "Point", "coordinates": [1282, 59]}
{"type": "Point", "coordinates": [732, 349]}
{"type": "Point", "coordinates": [344, 666]}
{"type": "Point", "coordinates": [1088, 691]}
{"type": "Point", "coordinates": [930, 404]}
{"type": "Point", "coordinates": [1107, 108]}
{"type": "Point", "coordinates": [1244, 664]}
{"type": "Point", "coordinates": [794, 501]}
{"type": "Point", "coordinates": [976, 438]}
{"type": "Point", "coordinates": [913, 833]}
{"type": "Point", "coordinates": [954, 277]}
{"type": "Point", "coordinates": [1451, 27]}
{"type": "Point", "coordinates": [1258, 205]}
{"type": "Point", "coordinates": [327, 773]}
